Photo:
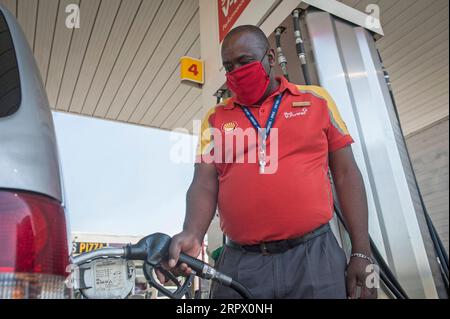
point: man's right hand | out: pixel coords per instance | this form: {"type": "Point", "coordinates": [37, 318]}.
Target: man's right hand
{"type": "Point", "coordinates": [182, 242]}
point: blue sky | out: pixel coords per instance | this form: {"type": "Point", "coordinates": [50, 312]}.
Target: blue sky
{"type": "Point", "coordinates": [119, 178]}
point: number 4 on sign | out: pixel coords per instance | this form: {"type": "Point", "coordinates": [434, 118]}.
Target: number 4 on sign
{"type": "Point", "coordinates": [191, 70]}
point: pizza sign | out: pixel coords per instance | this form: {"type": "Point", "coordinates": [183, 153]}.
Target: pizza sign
{"type": "Point", "coordinates": [229, 12]}
{"type": "Point", "coordinates": [85, 247]}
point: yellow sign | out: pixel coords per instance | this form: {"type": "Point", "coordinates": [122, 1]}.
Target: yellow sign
{"type": "Point", "coordinates": [85, 247]}
{"type": "Point", "coordinates": [192, 70]}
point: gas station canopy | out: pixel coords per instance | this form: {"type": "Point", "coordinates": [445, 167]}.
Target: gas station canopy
{"type": "Point", "coordinates": [122, 64]}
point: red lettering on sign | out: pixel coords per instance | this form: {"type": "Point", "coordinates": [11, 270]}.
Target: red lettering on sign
{"type": "Point", "coordinates": [229, 12]}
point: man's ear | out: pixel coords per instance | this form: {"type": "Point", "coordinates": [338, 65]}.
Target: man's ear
{"type": "Point", "coordinates": [271, 57]}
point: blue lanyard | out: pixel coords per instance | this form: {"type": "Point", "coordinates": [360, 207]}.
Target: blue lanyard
{"type": "Point", "coordinates": [270, 120]}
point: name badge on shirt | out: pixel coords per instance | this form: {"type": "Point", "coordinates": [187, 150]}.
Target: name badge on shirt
{"type": "Point", "coordinates": [301, 104]}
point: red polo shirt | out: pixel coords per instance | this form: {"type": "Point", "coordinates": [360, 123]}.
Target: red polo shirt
{"type": "Point", "coordinates": [294, 197]}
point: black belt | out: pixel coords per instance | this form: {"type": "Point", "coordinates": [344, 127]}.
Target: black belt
{"type": "Point", "coordinates": [279, 246]}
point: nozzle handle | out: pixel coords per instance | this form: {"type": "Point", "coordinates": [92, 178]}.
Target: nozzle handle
{"type": "Point", "coordinates": [196, 264]}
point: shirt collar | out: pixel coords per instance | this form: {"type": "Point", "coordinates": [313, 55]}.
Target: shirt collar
{"type": "Point", "coordinates": [284, 85]}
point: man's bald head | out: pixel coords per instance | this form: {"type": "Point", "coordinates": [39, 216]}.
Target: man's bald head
{"type": "Point", "coordinates": [260, 39]}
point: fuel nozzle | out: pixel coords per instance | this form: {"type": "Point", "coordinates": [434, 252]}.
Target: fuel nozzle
{"type": "Point", "coordinates": [203, 270]}
{"type": "Point", "coordinates": [154, 249]}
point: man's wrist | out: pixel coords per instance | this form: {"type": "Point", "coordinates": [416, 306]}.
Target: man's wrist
{"type": "Point", "coordinates": [365, 257]}
{"type": "Point", "coordinates": [361, 250]}
{"type": "Point", "coordinates": [361, 246]}
{"type": "Point", "coordinates": [194, 234]}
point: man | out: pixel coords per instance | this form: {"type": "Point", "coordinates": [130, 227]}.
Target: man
{"type": "Point", "coordinates": [279, 241]}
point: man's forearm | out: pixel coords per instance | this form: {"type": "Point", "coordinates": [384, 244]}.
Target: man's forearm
{"type": "Point", "coordinates": [353, 201]}
{"type": "Point", "coordinates": [201, 202]}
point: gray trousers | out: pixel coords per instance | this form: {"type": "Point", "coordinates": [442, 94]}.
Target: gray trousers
{"type": "Point", "coordinates": [313, 270]}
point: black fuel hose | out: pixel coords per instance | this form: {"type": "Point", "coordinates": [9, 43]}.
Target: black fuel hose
{"type": "Point", "coordinates": [241, 289]}
{"type": "Point", "coordinates": [282, 61]}
{"type": "Point", "coordinates": [386, 274]}
{"type": "Point", "coordinates": [300, 47]}
{"type": "Point", "coordinates": [205, 271]}
{"type": "Point", "coordinates": [391, 287]}
{"type": "Point", "coordinates": [386, 270]}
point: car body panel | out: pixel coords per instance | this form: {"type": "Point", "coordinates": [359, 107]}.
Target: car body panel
{"type": "Point", "coordinates": [28, 147]}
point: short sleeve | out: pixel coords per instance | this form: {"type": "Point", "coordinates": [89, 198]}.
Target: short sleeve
{"type": "Point", "coordinates": [337, 133]}
{"type": "Point", "coordinates": [205, 145]}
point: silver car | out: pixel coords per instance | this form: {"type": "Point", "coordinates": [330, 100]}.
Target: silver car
{"type": "Point", "coordinates": [33, 226]}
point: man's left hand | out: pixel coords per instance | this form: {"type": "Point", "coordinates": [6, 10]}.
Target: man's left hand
{"type": "Point", "coordinates": [356, 277]}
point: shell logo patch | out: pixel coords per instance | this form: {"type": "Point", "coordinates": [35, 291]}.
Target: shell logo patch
{"type": "Point", "coordinates": [229, 126]}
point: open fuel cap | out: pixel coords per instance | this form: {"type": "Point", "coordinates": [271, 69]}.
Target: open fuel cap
{"type": "Point", "coordinates": [108, 278]}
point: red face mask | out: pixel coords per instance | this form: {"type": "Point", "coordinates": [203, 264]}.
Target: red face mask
{"type": "Point", "coordinates": [248, 83]}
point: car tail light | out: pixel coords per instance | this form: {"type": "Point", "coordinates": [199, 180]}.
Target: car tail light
{"type": "Point", "coordinates": [33, 247]}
